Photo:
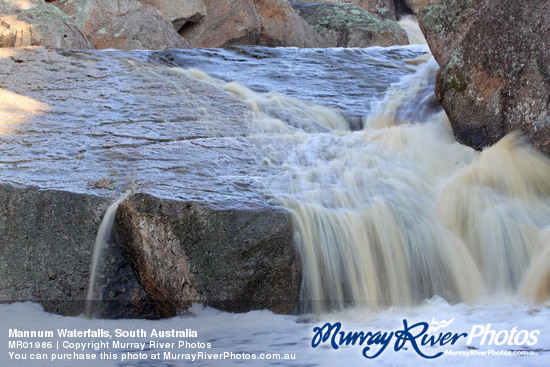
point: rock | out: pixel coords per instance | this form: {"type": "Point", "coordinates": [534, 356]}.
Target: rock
{"type": "Point", "coordinates": [121, 121]}
{"type": "Point", "coordinates": [92, 15]}
{"type": "Point", "coordinates": [40, 25]}
{"type": "Point", "coordinates": [227, 23]}
{"type": "Point", "coordinates": [401, 8]}
{"type": "Point", "coordinates": [381, 9]}
{"type": "Point", "coordinates": [282, 27]}
{"type": "Point", "coordinates": [495, 73]}
{"type": "Point", "coordinates": [345, 25]}
{"type": "Point", "coordinates": [47, 244]}
{"type": "Point", "coordinates": [233, 258]}
{"type": "Point", "coordinates": [179, 12]}
{"type": "Point", "coordinates": [416, 5]}
{"type": "Point", "coordinates": [446, 24]}
{"type": "Point", "coordinates": [144, 28]}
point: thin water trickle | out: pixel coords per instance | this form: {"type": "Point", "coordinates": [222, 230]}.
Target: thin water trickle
{"type": "Point", "coordinates": [103, 235]}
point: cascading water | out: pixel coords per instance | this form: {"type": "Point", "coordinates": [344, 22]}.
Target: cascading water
{"type": "Point", "coordinates": [400, 212]}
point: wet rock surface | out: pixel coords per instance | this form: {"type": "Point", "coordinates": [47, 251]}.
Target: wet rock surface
{"type": "Point", "coordinates": [90, 125]}
{"type": "Point", "coordinates": [121, 119]}
{"type": "Point", "coordinates": [347, 25]}
{"type": "Point", "coordinates": [495, 74]}
{"type": "Point", "coordinates": [78, 128]}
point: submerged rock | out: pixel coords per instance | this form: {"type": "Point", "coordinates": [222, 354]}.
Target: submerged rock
{"type": "Point", "coordinates": [495, 74]}
{"type": "Point", "coordinates": [141, 29]}
{"type": "Point", "coordinates": [345, 25]}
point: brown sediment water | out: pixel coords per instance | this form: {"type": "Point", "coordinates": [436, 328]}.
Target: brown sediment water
{"type": "Point", "coordinates": [399, 212]}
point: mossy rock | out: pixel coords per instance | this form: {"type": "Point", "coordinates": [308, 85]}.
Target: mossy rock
{"type": "Point", "coordinates": [346, 25]}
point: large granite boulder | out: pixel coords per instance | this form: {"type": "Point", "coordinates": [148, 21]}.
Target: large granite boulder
{"type": "Point", "coordinates": [92, 15]}
{"type": "Point", "coordinates": [495, 73]}
{"type": "Point", "coordinates": [282, 27]}
{"type": "Point", "coordinates": [233, 257]}
{"type": "Point", "coordinates": [144, 28]}
{"type": "Point", "coordinates": [227, 23]}
{"type": "Point", "coordinates": [179, 12]}
{"type": "Point", "coordinates": [38, 25]}
{"type": "Point", "coordinates": [346, 25]}
{"type": "Point", "coordinates": [198, 228]}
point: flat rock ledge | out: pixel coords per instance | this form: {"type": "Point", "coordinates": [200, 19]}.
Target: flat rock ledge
{"type": "Point", "coordinates": [87, 126]}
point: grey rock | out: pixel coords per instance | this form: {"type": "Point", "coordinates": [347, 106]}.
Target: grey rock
{"type": "Point", "coordinates": [141, 29]}
{"type": "Point", "coordinates": [92, 15]}
{"type": "Point", "coordinates": [233, 257]}
{"type": "Point", "coordinates": [495, 74]}
{"type": "Point", "coordinates": [381, 9]}
{"type": "Point", "coordinates": [416, 5]}
{"type": "Point", "coordinates": [46, 246]}
{"type": "Point", "coordinates": [282, 27]}
{"type": "Point", "coordinates": [119, 120]}
{"type": "Point", "coordinates": [345, 25]}
{"type": "Point", "coordinates": [41, 25]}
{"type": "Point", "coordinates": [227, 23]}
{"type": "Point", "coordinates": [179, 12]}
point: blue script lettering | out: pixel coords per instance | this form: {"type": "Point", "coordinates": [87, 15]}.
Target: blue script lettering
{"type": "Point", "coordinates": [405, 335]}
{"type": "Point", "coordinates": [332, 331]}
{"type": "Point", "coordinates": [413, 334]}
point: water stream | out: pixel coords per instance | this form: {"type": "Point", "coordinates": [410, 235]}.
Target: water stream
{"type": "Point", "coordinates": [398, 212]}
{"type": "Point", "coordinates": [102, 238]}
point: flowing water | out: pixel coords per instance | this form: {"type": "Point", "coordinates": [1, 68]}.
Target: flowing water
{"type": "Point", "coordinates": [398, 212]}
{"type": "Point", "coordinates": [393, 218]}
{"type": "Point", "coordinates": [103, 236]}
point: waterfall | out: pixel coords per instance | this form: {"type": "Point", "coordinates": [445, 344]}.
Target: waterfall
{"type": "Point", "coordinates": [399, 212]}
{"type": "Point", "coordinates": [410, 24]}
{"type": "Point", "coordinates": [103, 235]}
